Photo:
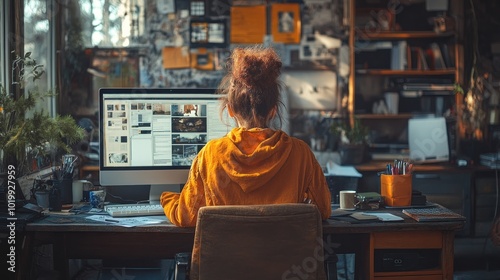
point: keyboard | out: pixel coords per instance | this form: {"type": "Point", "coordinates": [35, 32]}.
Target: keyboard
{"type": "Point", "coordinates": [133, 210]}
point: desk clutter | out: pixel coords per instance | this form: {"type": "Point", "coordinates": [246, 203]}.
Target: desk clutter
{"type": "Point", "coordinates": [373, 207]}
{"type": "Point", "coordinates": [397, 199]}
{"type": "Point", "coordinates": [431, 212]}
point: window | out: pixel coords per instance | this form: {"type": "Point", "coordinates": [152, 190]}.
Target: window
{"type": "Point", "coordinates": [4, 27]}
{"type": "Point", "coordinates": [38, 22]}
{"type": "Point", "coordinates": [109, 23]}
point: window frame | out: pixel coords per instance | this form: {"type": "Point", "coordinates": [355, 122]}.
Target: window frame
{"type": "Point", "coordinates": [4, 34]}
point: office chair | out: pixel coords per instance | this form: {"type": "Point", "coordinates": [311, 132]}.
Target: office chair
{"type": "Point", "coordinates": [280, 241]}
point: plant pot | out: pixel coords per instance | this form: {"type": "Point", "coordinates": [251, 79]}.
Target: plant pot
{"type": "Point", "coordinates": [351, 153]}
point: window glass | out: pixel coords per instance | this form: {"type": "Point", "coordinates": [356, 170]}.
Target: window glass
{"type": "Point", "coordinates": [112, 23]}
{"type": "Point", "coordinates": [37, 41]}
{"type": "Point", "coordinates": [100, 48]}
{"type": "Point", "coordinates": [3, 43]}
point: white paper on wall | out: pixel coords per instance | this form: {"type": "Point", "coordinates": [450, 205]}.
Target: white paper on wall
{"type": "Point", "coordinates": [311, 90]}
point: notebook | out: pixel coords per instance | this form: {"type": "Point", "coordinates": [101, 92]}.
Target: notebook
{"type": "Point", "coordinates": [434, 214]}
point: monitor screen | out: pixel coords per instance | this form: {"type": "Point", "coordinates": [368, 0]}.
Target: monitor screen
{"type": "Point", "coordinates": [151, 136]}
{"type": "Point", "coordinates": [428, 140]}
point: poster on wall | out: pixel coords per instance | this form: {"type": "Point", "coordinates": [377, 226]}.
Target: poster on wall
{"type": "Point", "coordinates": [202, 59]}
{"type": "Point", "coordinates": [285, 23]}
{"type": "Point", "coordinates": [313, 49]}
{"type": "Point", "coordinates": [175, 57]}
{"type": "Point", "coordinates": [248, 24]}
{"type": "Point", "coordinates": [208, 33]}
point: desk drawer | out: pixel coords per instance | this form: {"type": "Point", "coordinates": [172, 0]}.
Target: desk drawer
{"type": "Point", "coordinates": [407, 240]}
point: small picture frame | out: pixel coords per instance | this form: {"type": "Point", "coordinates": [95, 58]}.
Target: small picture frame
{"type": "Point", "coordinates": [197, 8]}
{"type": "Point", "coordinates": [285, 23]}
{"type": "Point", "coordinates": [208, 33]}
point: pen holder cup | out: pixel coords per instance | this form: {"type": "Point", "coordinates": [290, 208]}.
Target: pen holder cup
{"type": "Point", "coordinates": [396, 189]}
{"type": "Point", "coordinates": [65, 188]}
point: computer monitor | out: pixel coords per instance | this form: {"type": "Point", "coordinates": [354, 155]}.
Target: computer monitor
{"type": "Point", "coordinates": [151, 136]}
{"type": "Point", "coordinates": [428, 140]}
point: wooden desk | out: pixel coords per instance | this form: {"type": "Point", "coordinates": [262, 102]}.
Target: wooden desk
{"type": "Point", "coordinates": [74, 237]}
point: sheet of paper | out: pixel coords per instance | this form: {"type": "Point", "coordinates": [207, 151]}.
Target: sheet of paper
{"type": "Point", "coordinates": [385, 217]}
{"type": "Point", "coordinates": [128, 221]}
{"type": "Point", "coordinates": [342, 170]}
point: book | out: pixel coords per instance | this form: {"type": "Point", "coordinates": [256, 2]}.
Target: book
{"type": "Point", "coordinates": [448, 59]}
{"type": "Point", "coordinates": [437, 56]}
{"type": "Point", "coordinates": [433, 214]}
{"type": "Point", "coordinates": [418, 59]}
{"type": "Point", "coordinates": [399, 56]}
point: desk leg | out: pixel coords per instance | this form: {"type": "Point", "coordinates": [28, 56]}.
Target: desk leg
{"type": "Point", "coordinates": [363, 258]}
{"type": "Point", "coordinates": [447, 254]}
{"type": "Point", "coordinates": [26, 257]}
{"type": "Point", "coordinates": [358, 244]}
{"type": "Point", "coordinates": [61, 262]}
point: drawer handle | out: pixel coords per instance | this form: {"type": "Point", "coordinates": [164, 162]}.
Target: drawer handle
{"type": "Point", "coordinates": [427, 176]}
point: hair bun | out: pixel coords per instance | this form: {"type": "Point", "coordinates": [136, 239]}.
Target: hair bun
{"type": "Point", "coordinates": [256, 67]}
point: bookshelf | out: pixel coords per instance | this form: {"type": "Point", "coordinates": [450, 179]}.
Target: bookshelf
{"type": "Point", "coordinates": [391, 46]}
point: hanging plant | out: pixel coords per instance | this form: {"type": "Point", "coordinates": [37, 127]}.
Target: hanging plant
{"type": "Point", "coordinates": [473, 109]}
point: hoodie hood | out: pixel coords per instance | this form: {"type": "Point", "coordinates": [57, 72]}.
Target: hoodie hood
{"type": "Point", "coordinates": [256, 155]}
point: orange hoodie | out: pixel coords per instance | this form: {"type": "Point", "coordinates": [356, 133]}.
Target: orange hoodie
{"type": "Point", "coordinates": [255, 166]}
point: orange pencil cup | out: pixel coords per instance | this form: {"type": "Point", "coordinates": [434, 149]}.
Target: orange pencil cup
{"type": "Point", "coordinates": [396, 189]}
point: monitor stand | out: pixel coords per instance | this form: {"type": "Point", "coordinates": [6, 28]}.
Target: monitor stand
{"type": "Point", "coordinates": [155, 191]}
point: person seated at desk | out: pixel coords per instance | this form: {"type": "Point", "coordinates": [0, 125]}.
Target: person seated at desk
{"type": "Point", "coordinates": [253, 163]}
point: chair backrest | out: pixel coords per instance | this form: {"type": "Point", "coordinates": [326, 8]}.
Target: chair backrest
{"type": "Point", "coordinates": [281, 241]}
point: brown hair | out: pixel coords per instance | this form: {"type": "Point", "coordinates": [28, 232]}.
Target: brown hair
{"type": "Point", "coordinates": [252, 85]}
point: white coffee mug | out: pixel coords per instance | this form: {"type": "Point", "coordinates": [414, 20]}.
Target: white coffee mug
{"type": "Point", "coordinates": [78, 187]}
{"type": "Point", "coordinates": [347, 201]}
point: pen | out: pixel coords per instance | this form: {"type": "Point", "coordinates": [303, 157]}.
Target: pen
{"type": "Point", "coordinates": [111, 220]}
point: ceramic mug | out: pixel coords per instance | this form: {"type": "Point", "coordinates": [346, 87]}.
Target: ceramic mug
{"type": "Point", "coordinates": [97, 198]}
{"type": "Point", "coordinates": [347, 200]}
{"type": "Point", "coordinates": [79, 188]}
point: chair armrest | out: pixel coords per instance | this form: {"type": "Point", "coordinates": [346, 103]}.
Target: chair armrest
{"type": "Point", "coordinates": [182, 264]}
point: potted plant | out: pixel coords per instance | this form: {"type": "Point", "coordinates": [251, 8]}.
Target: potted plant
{"type": "Point", "coordinates": [26, 132]}
{"type": "Point", "coordinates": [352, 141]}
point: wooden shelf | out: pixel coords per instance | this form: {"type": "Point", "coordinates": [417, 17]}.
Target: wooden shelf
{"type": "Point", "coordinates": [388, 35]}
{"type": "Point", "coordinates": [389, 72]}
{"type": "Point", "coordinates": [384, 117]}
